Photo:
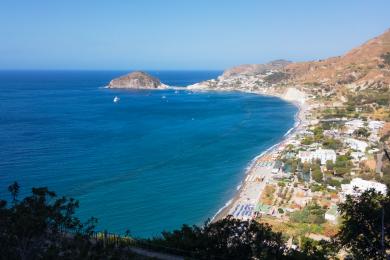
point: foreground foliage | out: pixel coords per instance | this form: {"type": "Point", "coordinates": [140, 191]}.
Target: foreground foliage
{"type": "Point", "coordinates": [43, 226]}
{"type": "Point", "coordinates": [226, 239]}
{"type": "Point", "coordinates": [365, 226]}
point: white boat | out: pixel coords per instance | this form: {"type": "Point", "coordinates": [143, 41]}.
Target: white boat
{"type": "Point", "coordinates": [116, 99]}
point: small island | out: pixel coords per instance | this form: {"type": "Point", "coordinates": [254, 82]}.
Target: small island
{"type": "Point", "coordinates": [137, 80]}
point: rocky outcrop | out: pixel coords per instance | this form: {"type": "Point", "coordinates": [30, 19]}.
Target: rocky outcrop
{"type": "Point", "coordinates": [137, 80]}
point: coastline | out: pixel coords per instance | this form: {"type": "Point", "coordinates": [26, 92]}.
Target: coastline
{"type": "Point", "coordinates": [269, 152]}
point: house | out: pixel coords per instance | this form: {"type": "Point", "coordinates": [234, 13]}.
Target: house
{"type": "Point", "coordinates": [356, 144]}
{"type": "Point", "coordinates": [332, 213]}
{"type": "Point", "coordinates": [358, 186]}
{"type": "Point", "coordinates": [353, 125]}
{"type": "Point", "coordinates": [322, 154]}
{"type": "Point", "coordinates": [358, 156]}
{"type": "Point", "coordinates": [375, 125]}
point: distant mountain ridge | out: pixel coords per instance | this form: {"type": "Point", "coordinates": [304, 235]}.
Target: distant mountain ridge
{"type": "Point", "coordinates": [362, 66]}
{"type": "Point", "coordinates": [248, 69]}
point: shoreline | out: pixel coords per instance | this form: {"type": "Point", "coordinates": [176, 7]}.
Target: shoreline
{"type": "Point", "coordinates": [299, 119]}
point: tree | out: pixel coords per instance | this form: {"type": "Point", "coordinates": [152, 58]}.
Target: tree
{"type": "Point", "coordinates": [317, 175]}
{"type": "Point", "coordinates": [365, 217]}
{"type": "Point", "coordinates": [362, 132]}
{"type": "Point", "coordinates": [331, 143]}
{"type": "Point", "coordinates": [329, 165]}
{"type": "Point", "coordinates": [343, 164]}
{"type": "Point", "coordinates": [228, 238]}
{"type": "Point", "coordinates": [43, 226]}
{"type": "Point", "coordinates": [386, 58]}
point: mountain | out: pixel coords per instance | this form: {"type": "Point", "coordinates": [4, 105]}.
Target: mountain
{"type": "Point", "coordinates": [136, 80]}
{"type": "Point", "coordinates": [361, 67]}
{"type": "Point", "coordinates": [253, 69]}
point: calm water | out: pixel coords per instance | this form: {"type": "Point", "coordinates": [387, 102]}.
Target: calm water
{"type": "Point", "coordinates": [146, 164]}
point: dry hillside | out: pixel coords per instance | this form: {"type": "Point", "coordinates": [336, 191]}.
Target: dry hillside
{"type": "Point", "coordinates": [363, 66]}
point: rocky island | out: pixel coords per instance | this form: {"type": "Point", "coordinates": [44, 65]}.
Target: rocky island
{"type": "Point", "coordinates": [137, 80]}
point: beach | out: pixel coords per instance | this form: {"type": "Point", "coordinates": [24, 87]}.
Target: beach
{"type": "Point", "coordinates": [259, 172]}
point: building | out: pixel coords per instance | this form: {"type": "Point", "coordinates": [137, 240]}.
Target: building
{"type": "Point", "coordinates": [358, 156]}
{"type": "Point", "coordinates": [356, 144]}
{"type": "Point", "coordinates": [353, 125]}
{"type": "Point", "coordinates": [332, 213]}
{"type": "Point", "coordinates": [358, 186]}
{"type": "Point", "coordinates": [375, 125]}
{"type": "Point", "coordinates": [322, 154]}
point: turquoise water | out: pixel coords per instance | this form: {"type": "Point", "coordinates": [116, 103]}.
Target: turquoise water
{"type": "Point", "coordinates": [146, 164]}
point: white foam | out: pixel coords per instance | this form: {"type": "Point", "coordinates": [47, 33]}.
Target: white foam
{"type": "Point", "coordinates": [227, 204]}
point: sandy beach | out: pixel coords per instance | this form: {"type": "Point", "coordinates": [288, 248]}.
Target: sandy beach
{"type": "Point", "coordinates": [259, 172]}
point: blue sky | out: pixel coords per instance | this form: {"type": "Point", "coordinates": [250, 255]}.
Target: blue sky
{"type": "Point", "coordinates": [152, 34]}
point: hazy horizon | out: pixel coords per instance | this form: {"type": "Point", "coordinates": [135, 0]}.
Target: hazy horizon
{"type": "Point", "coordinates": [176, 35]}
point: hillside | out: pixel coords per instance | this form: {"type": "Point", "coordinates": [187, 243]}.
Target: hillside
{"type": "Point", "coordinates": [363, 66]}
{"type": "Point", "coordinates": [250, 69]}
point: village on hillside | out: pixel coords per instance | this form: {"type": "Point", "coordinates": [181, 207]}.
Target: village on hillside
{"type": "Point", "coordinates": [340, 148]}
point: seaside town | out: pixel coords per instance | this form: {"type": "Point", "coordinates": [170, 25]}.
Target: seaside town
{"type": "Point", "coordinates": [337, 148]}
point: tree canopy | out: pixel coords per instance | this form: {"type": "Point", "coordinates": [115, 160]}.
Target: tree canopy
{"type": "Point", "coordinates": [365, 217]}
{"type": "Point", "coordinates": [43, 226]}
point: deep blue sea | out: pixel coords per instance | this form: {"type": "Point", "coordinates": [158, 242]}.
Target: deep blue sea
{"type": "Point", "coordinates": [149, 163]}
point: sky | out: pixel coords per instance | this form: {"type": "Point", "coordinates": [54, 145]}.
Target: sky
{"type": "Point", "coordinates": [182, 34]}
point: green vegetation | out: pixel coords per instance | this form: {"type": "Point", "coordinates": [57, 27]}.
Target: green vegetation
{"type": "Point", "coordinates": [43, 226]}
{"type": "Point", "coordinates": [362, 132]}
{"type": "Point", "coordinates": [276, 77]}
{"type": "Point", "coordinates": [225, 239]}
{"type": "Point", "coordinates": [343, 165]}
{"type": "Point", "coordinates": [386, 58]}
{"type": "Point", "coordinates": [333, 182]}
{"type": "Point", "coordinates": [362, 224]}
{"type": "Point", "coordinates": [318, 133]}
{"type": "Point", "coordinates": [316, 173]}
{"type": "Point", "coordinates": [308, 140]}
{"type": "Point", "coordinates": [379, 96]}
{"type": "Point", "coordinates": [331, 143]}
{"type": "Point", "coordinates": [292, 164]}
{"type": "Point", "coordinates": [310, 214]}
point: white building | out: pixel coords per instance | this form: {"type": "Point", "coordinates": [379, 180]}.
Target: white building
{"type": "Point", "coordinates": [354, 125]}
{"type": "Point", "coordinates": [375, 125]}
{"type": "Point", "coordinates": [358, 186]}
{"type": "Point", "coordinates": [356, 144]}
{"type": "Point", "coordinates": [358, 156]}
{"type": "Point", "coordinates": [332, 213]}
{"type": "Point", "coordinates": [322, 154]}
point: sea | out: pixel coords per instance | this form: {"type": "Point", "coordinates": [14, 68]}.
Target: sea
{"type": "Point", "coordinates": [149, 163]}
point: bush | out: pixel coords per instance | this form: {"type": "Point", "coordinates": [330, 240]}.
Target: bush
{"type": "Point", "coordinates": [331, 143]}
{"type": "Point", "coordinates": [317, 175]}
{"type": "Point", "coordinates": [386, 58]}
{"type": "Point", "coordinates": [333, 182]}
